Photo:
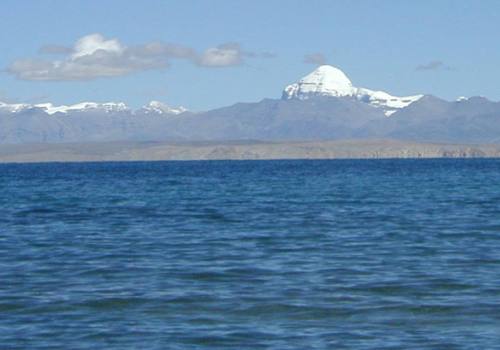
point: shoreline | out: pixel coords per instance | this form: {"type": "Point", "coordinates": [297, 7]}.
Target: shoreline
{"type": "Point", "coordinates": [240, 150]}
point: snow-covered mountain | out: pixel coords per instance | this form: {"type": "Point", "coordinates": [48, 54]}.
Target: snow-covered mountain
{"type": "Point", "coordinates": [330, 81]}
{"type": "Point", "coordinates": [162, 108]}
{"type": "Point", "coordinates": [324, 105]}
{"type": "Point", "coordinates": [107, 107]}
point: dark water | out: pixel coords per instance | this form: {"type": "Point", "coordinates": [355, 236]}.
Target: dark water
{"type": "Point", "coordinates": [392, 254]}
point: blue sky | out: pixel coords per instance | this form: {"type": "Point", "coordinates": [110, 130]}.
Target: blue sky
{"type": "Point", "coordinates": [378, 44]}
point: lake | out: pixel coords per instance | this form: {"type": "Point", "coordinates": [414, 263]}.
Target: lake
{"type": "Point", "coordinates": [299, 254]}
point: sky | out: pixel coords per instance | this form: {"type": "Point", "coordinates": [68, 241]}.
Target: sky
{"type": "Point", "coordinates": [213, 53]}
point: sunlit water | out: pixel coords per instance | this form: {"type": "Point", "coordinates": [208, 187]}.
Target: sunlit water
{"type": "Point", "coordinates": [387, 254]}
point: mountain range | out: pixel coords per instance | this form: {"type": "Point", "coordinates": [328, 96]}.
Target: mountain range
{"type": "Point", "coordinates": [324, 105]}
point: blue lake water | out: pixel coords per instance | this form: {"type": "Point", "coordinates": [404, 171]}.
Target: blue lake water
{"type": "Point", "coordinates": [385, 254]}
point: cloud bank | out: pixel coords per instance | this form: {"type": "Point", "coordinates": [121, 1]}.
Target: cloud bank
{"type": "Point", "coordinates": [93, 56]}
{"type": "Point", "coordinates": [221, 56]}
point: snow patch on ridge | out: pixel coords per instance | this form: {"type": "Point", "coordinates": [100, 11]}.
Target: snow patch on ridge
{"type": "Point", "coordinates": [13, 107]}
{"type": "Point", "coordinates": [49, 108]}
{"type": "Point", "coordinates": [162, 108]}
{"type": "Point", "coordinates": [108, 107]}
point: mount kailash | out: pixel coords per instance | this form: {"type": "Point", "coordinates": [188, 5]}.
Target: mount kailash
{"type": "Point", "coordinates": [323, 105]}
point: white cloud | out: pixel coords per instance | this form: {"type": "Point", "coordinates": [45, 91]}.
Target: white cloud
{"type": "Point", "coordinates": [89, 44]}
{"type": "Point", "coordinates": [93, 56]}
{"type": "Point", "coordinates": [221, 56]}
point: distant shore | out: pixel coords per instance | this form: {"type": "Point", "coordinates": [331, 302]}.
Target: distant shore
{"type": "Point", "coordinates": [239, 150]}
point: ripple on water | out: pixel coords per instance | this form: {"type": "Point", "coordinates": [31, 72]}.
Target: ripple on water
{"type": "Point", "coordinates": [394, 254]}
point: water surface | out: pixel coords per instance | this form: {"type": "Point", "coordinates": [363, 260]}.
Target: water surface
{"type": "Point", "coordinates": [383, 254]}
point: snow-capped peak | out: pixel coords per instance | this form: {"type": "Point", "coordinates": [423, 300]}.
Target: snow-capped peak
{"type": "Point", "coordinates": [162, 108]}
{"type": "Point", "coordinates": [327, 80]}
{"type": "Point", "coordinates": [323, 81]}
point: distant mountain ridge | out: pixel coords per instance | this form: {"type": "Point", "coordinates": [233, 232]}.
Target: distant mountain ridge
{"type": "Point", "coordinates": [49, 108]}
{"type": "Point", "coordinates": [324, 105]}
